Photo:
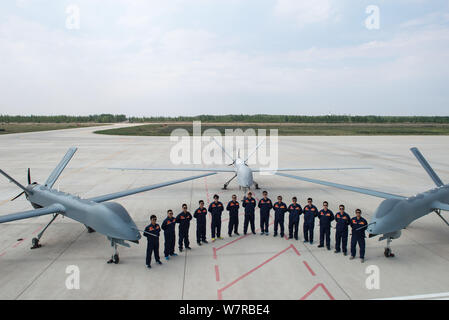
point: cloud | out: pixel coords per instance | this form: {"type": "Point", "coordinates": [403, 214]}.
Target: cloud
{"type": "Point", "coordinates": [304, 12]}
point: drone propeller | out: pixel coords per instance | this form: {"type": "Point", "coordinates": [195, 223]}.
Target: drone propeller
{"type": "Point", "coordinates": [23, 192]}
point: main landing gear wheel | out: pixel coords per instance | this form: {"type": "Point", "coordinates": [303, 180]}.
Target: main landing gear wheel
{"type": "Point", "coordinates": [35, 243]}
{"type": "Point", "coordinates": [114, 259]}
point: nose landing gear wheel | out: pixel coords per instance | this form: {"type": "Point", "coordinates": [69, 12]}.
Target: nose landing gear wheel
{"type": "Point", "coordinates": [388, 253]}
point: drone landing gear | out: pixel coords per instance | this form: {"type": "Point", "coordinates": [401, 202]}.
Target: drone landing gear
{"type": "Point", "coordinates": [90, 230]}
{"type": "Point", "coordinates": [35, 241]}
{"type": "Point", "coordinates": [227, 183]}
{"type": "Point", "coordinates": [387, 252]}
{"type": "Point", "coordinates": [114, 258]}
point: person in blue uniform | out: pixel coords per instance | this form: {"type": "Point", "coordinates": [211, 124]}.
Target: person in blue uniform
{"type": "Point", "coordinates": [168, 225]}
{"type": "Point", "coordinates": [215, 209]}
{"type": "Point", "coordinates": [310, 213]}
{"type": "Point", "coordinates": [200, 216]}
{"type": "Point", "coordinates": [152, 232]}
{"type": "Point", "coordinates": [358, 225]}
{"type": "Point", "coordinates": [342, 220]}
{"type": "Point", "coordinates": [184, 224]}
{"type": "Point", "coordinates": [233, 208]}
{"type": "Point", "coordinates": [249, 203]}
{"type": "Point", "coordinates": [279, 213]}
{"type": "Point", "coordinates": [265, 205]}
{"type": "Point", "coordinates": [295, 211]}
{"type": "Point", "coordinates": [326, 216]}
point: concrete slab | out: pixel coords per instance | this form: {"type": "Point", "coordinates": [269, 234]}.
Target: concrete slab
{"type": "Point", "coordinates": [251, 267]}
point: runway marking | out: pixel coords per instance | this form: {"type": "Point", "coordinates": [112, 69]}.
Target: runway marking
{"type": "Point", "coordinates": [18, 243]}
{"type": "Point", "coordinates": [220, 291]}
{"type": "Point", "coordinates": [217, 274]}
{"type": "Point", "coordinates": [314, 289]}
{"type": "Point", "coordinates": [419, 297]}
{"type": "Point", "coordinates": [2, 254]}
{"type": "Point", "coordinates": [309, 268]}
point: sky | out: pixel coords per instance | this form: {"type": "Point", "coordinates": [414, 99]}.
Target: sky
{"type": "Point", "coordinates": [191, 57]}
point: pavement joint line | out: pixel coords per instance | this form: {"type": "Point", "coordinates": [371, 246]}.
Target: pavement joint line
{"type": "Point", "coordinates": [50, 264]}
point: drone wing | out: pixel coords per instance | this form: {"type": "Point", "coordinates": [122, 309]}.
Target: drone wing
{"type": "Point", "coordinates": [373, 193]}
{"type": "Point", "coordinates": [54, 208]}
{"type": "Point", "coordinates": [177, 169]}
{"type": "Point", "coordinates": [306, 169]}
{"type": "Point", "coordinates": [126, 193]}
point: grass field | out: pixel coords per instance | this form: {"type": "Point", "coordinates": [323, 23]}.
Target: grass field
{"type": "Point", "coordinates": [298, 129]}
{"type": "Point", "coordinates": [6, 128]}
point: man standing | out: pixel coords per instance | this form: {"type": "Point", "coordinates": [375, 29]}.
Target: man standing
{"type": "Point", "coordinates": [310, 212]}
{"type": "Point", "coordinates": [169, 235]}
{"type": "Point", "coordinates": [341, 235]}
{"type": "Point", "coordinates": [279, 212]}
{"type": "Point", "coordinates": [233, 208]}
{"type": "Point", "coordinates": [184, 223]}
{"type": "Point", "coordinates": [265, 206]}
{"type": "Point", "coordinates": [295, 211]}
{"type": "Point", "coordinates": [215, 209]}
{"type": "Point", "coordinates": [152, 232]}
{"type": "Point", "coordinates": [326, 216]}
{"type": "Point", "coordinates": [249, 203]}
{"type": "Point", "coordinates": [200, 216]}
{"type": "Point", "coordinates": [358, 225]}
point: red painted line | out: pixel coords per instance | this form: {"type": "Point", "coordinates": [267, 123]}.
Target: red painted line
{"type": "Point", "coordinates": [231, 242]}
{"type": "Point", "coordinates": [296, 250]}
{"type": "Point", "coordinates": [309, 268]}
{"type": "Point", "coordinates": [214, 253]}
{"type": "Point", "coordinates": [18, 243]}
{"type": "Point", "coordinates": [252, 270]}
{"type": "Point", "coordinates": [316, 287]}
{"type": "Point", "coordinates": [37, 230]}
{"type": "Point", "coordinates": [2, 254]}
{"type": "Point", "coordinates": [207, 190]}
{"type": "Point", "coordinates": [217, 273]}
{"type": "Point", "coordinates": [219, 295]}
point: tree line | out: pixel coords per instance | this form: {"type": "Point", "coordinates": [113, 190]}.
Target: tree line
{"type": "Point", "coordinates": [114, 118]}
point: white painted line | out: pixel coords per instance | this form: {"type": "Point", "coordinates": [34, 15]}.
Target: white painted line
{"type": "Point", "coordinates": [443, 296]}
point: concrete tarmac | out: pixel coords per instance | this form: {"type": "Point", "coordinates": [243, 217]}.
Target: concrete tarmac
{"type": "Point", "coordinates": [245, 267]}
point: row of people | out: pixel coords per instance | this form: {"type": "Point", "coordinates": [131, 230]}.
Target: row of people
{"type": "Point", "coordinates": [310, 212]}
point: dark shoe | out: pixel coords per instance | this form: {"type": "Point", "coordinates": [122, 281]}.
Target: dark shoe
{"type": "Point", "coordinates": [230, 235]}
{"type": "Point", "coordinates": [290, 237]}
{"type": "Point", "coordinates": [282, 235]}
{"type": "Point", "coordinates": [337, 251]}
{"type": "Point", "coordinates": [345, 253]}
{"type": "Point", "coordinates": [244, 233]}
{"type": "Point", "coordinates": [320, 246]}
{"type": "Point", "coordinates": [159, 262]}
{"type": "Point", "coordinates": [188, 248]}
{"type": "Point", "coordinates": [254, 232]}
{"type": "Point", "coordinates": [328, 248]}
{"type": "Point", "coordinates": [275, 235]}
{"type": "Point", "coordinates": [296, 238]}
{"type": "Point", "coordinates": [236, 233]}
{"type": "Point", "coordinates": [180, 249]}
{"type": "Point", "coordinates": [174, 254]}
{"type": "Point", "coordinates": [262, 233]}
{"type": "Point", "coordinates": [311, 242]}
{"type": "Point", "coordinates": [305, 241]}
{"type": "Point", "coordinates": [351, 258]}
{"type": "Point", "coordinates": [205, 241]}
{"type": "Point", "coordinates": [148, 266]}
{"type": "Point", "coordinates": [199, 243]}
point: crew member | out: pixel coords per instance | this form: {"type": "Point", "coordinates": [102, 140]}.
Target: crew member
{"type": "Point", "coordinates": [215, 209]}
{"type": "Point", "coordinates": [310, 212]}
{"type": "Point", "coordinates": [233, 208]}
{"type": "Point", "coordinates": [184, 223]}
{"type": "Point", "coordinates": [279, 212]}
{"type": "Point", "coordinates": [295, 211]}
{"type": "Point", "coordinates": [169, 235]}
{"type": "Point", "coordinates": [265, 206]}
{"type": "Point", "coordinates": [249, 203]}
{"type": "Point", "coordinates": [326, 216]}
{"type": "Point", "coordinates": [358, 225]}
{"type": "Point", "coordinates": [152, 232]}
{"type": "Point", "coordinates": [341, 235]}
{"type": "Point", "coordinates": [200, 216]}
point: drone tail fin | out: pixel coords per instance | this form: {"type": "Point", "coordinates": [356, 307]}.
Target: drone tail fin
{"type": "Point", "coordinates": [427, 167]}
